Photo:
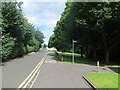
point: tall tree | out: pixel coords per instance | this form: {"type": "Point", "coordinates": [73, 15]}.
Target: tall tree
{"type": "Point", "coordinates": [95, 25]}
{"type": "Point", "coordinates": [18, 32]}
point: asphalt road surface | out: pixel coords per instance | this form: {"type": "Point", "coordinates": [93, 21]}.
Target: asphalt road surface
{"type": "Point", "coordinates": [52, 74]}
{"type": "Point", "coordinates": [15, 71]}
{"type": "Point", "coordinates": [56, 75]}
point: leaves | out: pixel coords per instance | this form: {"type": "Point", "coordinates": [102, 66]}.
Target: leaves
{"type": "Point", "coordinates": [22, 34]}
{"type": "Point", "coordinates": [94, 25]}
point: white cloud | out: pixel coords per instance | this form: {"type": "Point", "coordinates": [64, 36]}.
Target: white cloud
{"type": "Point", "coordinates": [46, 19]}
{"type": "Point", "coordinates": [43, 14]}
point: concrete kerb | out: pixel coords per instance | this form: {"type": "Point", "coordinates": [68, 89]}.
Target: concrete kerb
{"type": "Point", "coordinates": [90, 83]}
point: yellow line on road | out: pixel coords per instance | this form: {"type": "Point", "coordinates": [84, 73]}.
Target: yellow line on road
{"type": "Point", "coordinates": [27, 82]}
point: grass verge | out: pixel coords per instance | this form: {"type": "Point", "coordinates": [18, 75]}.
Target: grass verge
{"type": "Point", "coordinates": [67, 59]}
{"type": "Point", "coordinates": [105, 81]}
{"type": "Point", "coordinates": [68, 54]}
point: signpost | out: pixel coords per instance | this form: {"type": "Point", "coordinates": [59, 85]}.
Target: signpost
{"type": "Point", "coordinates": [73, 41]}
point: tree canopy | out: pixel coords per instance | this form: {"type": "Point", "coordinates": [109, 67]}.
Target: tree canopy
{"type": "Point", "coordinates": [95, 26]}
{"type": "Point", "coordinates": [19, 37]}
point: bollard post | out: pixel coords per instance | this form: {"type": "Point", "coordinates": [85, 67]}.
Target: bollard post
{"type": "Point", "coordinates": [62, 58]}
{"type": "Point", "coordinates": [97, 66]}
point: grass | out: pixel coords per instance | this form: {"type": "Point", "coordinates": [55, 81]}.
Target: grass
{"type": "Point", "coordinates": [104, 80]}
{"type": "Point", "coordinates": [67, 59]}
{"type": "Point", "coordinates": [113, 66]}
{"type": "Point", "coordinates": [68, 54]}
{"type": "Point", "coordinates": [78, 60]}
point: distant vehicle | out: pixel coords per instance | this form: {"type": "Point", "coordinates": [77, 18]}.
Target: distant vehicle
{"type": "Point", "coordinates": [52, 49]}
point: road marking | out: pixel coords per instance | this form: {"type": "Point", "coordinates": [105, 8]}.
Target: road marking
{"type": "Point", "coordinates": [28, 81]}
{"type": "Point", "coordinates": [34, 79]}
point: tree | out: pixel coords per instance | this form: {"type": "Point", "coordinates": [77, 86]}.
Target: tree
{"type": "Point", "coordinates": [51, 42]}
{"type": "Point", "coordinates": [18, 32]}
{"type": "Point", "coordinates": [94, 25]}
{"type": "Point", "coordinates": [7, 46]}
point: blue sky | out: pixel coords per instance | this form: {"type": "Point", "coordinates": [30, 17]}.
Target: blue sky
{"type": "Point", "coordinates": [43, 14]}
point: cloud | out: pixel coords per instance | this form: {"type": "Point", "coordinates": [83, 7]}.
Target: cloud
{"type": "Point", "coordinates": [46, 19]}
{"type": "Point", "coordinates": [43, 15]}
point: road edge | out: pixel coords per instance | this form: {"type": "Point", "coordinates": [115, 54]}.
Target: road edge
{"type": "Point", "coordinates": [90, 83]}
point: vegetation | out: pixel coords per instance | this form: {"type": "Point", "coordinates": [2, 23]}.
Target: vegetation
{"type": "Point", "coordinates": [19, 37]}
{"type": "Point", "coordinates": [95, 26]}
{"type": "Point", "coordinates": [67, 54]}
{"type": "Point", "coordinates": [67, 59]}
{"type": "Point", "coordinates": [100, 79]}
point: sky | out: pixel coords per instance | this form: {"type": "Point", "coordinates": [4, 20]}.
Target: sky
{"type": "Point", "coordinates": [43, 14]}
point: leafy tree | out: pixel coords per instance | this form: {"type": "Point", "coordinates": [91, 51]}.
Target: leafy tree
{"type": "Point", "coordinates": [39, 36]}
{"type": "Point", "coordinates": [95, 25]}
{"type": "Point", "coordinates": [7, 46]}
{"type": "Point", "coordinates": [18, 32]}
{"type": "Point", "coordinates": [51, 42]}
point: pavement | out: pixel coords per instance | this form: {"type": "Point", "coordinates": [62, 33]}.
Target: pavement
{"type": "Point", "coordinates": [56, 75]}
{"type": "Point", "coordinates": [15, 71]}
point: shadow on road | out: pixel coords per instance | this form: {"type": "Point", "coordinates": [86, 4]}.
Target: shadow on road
{"type": "Point", "coordinates": [53, 56]}
{"type": "Point", "coordinates": [115, 69]}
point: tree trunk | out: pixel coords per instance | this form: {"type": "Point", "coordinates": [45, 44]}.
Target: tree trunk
{"type": "Point", "coordinates": [94, 53]}
{"type": "Point", "coordinates": [86, 52]}
{"type": "Point", "coordinates": [81, 52]}
{"type": "Point", "coordinates": [106, 56]}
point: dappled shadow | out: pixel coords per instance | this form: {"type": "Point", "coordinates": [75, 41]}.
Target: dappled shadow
{"type": "Point", "coordinates": [51, 54]}
{"type": "Point", "coordinates": [54, 56]}
{"type": "Point", "coordinates": [11, 59]}
{"type": "Point", "coordinates": [2, 64]}
{"type": "Point", "coordinates": [115, 69]}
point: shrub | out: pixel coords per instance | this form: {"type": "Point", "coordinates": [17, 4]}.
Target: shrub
{"type": "Point", "coordinates": [30, 49]}
{"type": "Point", "coordinates": [7, 46]}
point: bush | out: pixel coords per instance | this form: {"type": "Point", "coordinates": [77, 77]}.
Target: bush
{"type": "Point", "coordinates": [30, 49]}
{"type": "Point", "coordinates": [7, 46]}
{"type": "Point", "coordinates": [18, 50]}
{"type": "Point", "coordinates": [36, 45]}
{"type": "Point", "coordinates": [36, 48]}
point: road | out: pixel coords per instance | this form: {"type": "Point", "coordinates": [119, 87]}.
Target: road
{"type": "Point", "coordinates": [57, 75]}
{"type": "Point", "coordinates": [15, 71]}
{"type": "Point", "coordinates": [52, 74]}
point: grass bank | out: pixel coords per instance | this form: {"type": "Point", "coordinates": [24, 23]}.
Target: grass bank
{"type": "Point", "coordinates": [67, 59]}
{"type": "Point", "coordinates": [105, 81]}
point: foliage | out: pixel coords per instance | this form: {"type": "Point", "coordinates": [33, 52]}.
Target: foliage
{"type": "Point", "coordinates": [7, 46]}
{"type": "Point", "coordinates": [51, 41]}
{"type": "Point", "coordinates": [22, 35]}
{"type": "Point", "coordinates": [95, 26]}
{"type": "Point", "coordinates": [39, 36]}
{"type": "Point", "coordinates": [30, 49]}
